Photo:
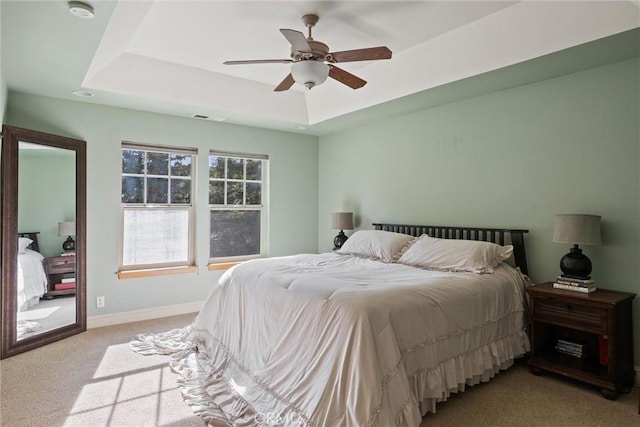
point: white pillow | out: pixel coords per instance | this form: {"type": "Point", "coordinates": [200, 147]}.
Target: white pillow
{"type": "Point", "coordinates": [455, 255]}
{"type": "Point", "coordinates": [383, 245]}
{"type": "Point", "coordinates": [23, 243]}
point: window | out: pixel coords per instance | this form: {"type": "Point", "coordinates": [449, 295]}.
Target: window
{"type": "Point", "coordinates": [157, 206]}
{"type": "Point", "coordinates": [237, 202]}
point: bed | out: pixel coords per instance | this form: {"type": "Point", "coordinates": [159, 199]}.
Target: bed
{"type": "Point", "coordinates": [367, 335]}
{"type": "Point", "coordinates": [32, 280]}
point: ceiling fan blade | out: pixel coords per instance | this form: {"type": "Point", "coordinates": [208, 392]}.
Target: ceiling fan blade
{"type": "Point", "coordinates": [367, 54]}
{"type": "Point", "coordinates": [285, 84]}
{"type": "Point", "coordinates": [297, 39]}
{"type": "Point", "coordinates": [345, 77]}
{"type": "Point", "coordinates": [259, 61]}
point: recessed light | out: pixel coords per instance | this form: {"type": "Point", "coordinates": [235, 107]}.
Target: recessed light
{"type": "Point", "coordinates": [298, 127]}
{"type": "Point", "coordinates": [218, 119]}
{"type": "Point", "coordinates": [82, 93]}
{"type": "Point", "coordinates": [81, 10]}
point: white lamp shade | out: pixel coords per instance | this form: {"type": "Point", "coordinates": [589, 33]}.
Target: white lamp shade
{"type": "Point", "coordinates": [342, 221]}
{"type": "Point", "coordinates": [309, 73]}
{"type": "Point", "coordinates": [67, 228]}
{"type": "Point", "coordinates": [577, 229]}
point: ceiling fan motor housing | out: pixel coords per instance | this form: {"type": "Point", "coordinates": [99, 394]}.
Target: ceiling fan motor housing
{"type": "Point", "coordinates": [319, 52]}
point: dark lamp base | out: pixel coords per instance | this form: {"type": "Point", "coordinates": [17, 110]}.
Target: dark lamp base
{"type": "Point", "coordinates": [69, 245]}
{"type": "Point", "coordinates": [339, 240]}
{"type": "Point", "coordinates": [576, 264]}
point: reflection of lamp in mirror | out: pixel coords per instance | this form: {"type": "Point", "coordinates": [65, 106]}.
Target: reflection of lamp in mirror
{"type": "Point", "coordinates": [67, 228]}
{"type": "Point", "coordinates": [341, 221]}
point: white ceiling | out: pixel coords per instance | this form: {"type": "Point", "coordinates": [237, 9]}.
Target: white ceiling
{"type": "Point", "coordinates": [166, 55]}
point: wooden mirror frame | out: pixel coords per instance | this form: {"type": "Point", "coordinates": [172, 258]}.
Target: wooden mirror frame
{"type": "Point", "coordinates": [11, 136]}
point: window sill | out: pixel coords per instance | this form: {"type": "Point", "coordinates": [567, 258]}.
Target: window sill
{"type": "Point", "coordinates": [133, 274]}
{"type": "Point", "coordinates": [222, 265]}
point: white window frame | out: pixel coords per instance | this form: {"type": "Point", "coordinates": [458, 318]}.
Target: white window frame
{"type": "Point", "coordinates": [262, 208]}
{"type": "Point", "coordinates": [190, 208]}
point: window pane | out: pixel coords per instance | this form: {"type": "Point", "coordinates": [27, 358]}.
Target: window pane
{"type": "Point", "coordinates": [216, 167]}
{"type": "Point", "coordinates": [216, 192]}
{"type": "Point", "coordinates": [235, 168]}
{"type": "Point", "coordinates": [157, 190]}
{"type": "Point", "coordinates": [157, 163]}
{"type": "Point", "coordinates": [254, 170]}
{"type": "Point", "coordinates": [154, 236]}
{"type": "Point", "coordinates": [234, 233]}
{"type": "Point", "coordinates": [132, 189]}
{"type": "Point", "coordinates": [181, 191]}
{"type": "Point", "coordinates": [254, 193]}
{"type": "Point", "coordinates": [235, 193]}
{"type": "Point", "coordinates": [180, 165]}
{"type": "Point", "coordinates": [132, 161]}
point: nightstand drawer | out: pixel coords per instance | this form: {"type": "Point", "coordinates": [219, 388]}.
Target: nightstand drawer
{"type": "Point", "coordinates": [61, 265]}
{"type": "Point", "coordinates": [571, 314]}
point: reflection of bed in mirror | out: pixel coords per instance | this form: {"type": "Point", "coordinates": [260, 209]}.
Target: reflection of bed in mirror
{"type": "Point", "coordinates": [32, 280]}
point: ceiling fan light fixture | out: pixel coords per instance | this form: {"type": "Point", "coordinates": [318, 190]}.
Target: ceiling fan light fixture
{"type": "Point", "coordinates": [309, 73]}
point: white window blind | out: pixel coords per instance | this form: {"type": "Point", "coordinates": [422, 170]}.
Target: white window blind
{"type": "Point", "coordinates": [157, 206]}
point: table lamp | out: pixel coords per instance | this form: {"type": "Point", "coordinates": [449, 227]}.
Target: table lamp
{"type": "Point", "coordinates": [341, 221]}
{"type": "Point", "coordinates": [67, 228]}
{"type": "Point", "coordinates": [576, 229]}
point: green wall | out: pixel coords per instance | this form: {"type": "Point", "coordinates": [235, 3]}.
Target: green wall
{"type": "Point", "coordinates": [512, 158]}
{"type": "Point", "coordinates": [293, 190]}
{"type": "Point", "coordinates": [46, 195]}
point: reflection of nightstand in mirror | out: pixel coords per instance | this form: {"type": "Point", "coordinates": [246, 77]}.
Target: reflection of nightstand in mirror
{"type": "Point", "coordinates": [60, 271]}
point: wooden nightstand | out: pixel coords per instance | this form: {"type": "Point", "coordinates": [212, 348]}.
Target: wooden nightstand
{"type": "Point", "coordinates": [601, 321]}
{"type": "Point", "coordinates": [56, 268]}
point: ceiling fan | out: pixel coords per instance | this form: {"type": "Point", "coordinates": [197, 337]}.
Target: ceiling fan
{"type": "Point", "coordinates": [311, 62]}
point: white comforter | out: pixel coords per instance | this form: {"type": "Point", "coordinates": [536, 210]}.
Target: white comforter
{"type": "Point", "coordinates": [336, 340]}
{"type": "Point", "coordinates": [32, 280]}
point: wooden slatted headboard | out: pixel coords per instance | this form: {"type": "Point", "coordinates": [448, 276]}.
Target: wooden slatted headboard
{"type": "Point", "coordinates": [33, 235]}
{"type": "Point", "coordinates": [494, 235]}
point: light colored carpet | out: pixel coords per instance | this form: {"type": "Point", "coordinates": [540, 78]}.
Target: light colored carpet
{"type": "Point", "coordinates": [94, 379]}
{"type": "Point", "coordinates": [48, 315]}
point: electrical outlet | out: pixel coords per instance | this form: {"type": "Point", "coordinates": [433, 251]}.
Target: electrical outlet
{"type": "Point", "coordinates": [100, 302]}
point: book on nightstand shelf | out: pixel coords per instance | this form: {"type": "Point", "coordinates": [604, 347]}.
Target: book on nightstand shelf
{"type": "Point", "coordinates": [571, 348]}
{"type": "Point", "coordinates": [64, 286]}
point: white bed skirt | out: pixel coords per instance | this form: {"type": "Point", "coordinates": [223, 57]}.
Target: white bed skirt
{"type": "Point", "coordinates": [201, 381]}
{"type": "Point", "coordinates": [31, 302]}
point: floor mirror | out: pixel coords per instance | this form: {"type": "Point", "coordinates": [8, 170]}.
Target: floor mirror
{"type": "Point", "coordinates": [43, 184]}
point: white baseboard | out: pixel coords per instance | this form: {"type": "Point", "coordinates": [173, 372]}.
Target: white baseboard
{"type": "Point", "coordinates": [143, 314]}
